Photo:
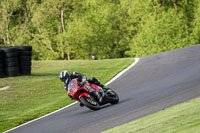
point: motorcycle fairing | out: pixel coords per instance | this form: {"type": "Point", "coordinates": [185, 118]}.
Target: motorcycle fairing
{"type": "Point", "coordinates": [75, 91]}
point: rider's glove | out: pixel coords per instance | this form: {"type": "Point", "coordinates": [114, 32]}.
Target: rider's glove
{"type": "Point", "coordinates": [72, 98]}
{"type": "Point", "coordinates": [103, 86]}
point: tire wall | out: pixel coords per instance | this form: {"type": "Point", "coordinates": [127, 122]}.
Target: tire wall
{"type": "Point", "coordinates": [15, 61]}
{"type": "Point", "coordinates": [1, 65]}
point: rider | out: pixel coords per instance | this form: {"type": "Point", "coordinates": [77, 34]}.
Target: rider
{"type": "Point", "coordinates": [65, 77]}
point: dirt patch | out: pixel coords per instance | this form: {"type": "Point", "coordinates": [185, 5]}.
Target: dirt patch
{"type": "Point", "coordinates": [4, 88]}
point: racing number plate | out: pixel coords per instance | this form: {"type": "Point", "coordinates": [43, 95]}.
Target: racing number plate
{"type": "Point", "coordinates": [72, 89]}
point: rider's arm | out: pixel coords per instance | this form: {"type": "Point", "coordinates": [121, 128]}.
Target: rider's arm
{"type": "Point", "coordinates": [81, 77]}
{"type": "Point", "coordinates": [71, 97]}
{"type": "Point", "coordinates": [66, 88]}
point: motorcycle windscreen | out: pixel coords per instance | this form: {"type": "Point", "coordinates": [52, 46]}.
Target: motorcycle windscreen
{"type": "Point", "coordinates": [72, 87]}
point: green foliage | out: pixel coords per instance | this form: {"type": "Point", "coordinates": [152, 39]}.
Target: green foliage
{"type": "Point", "coordinates": [162, 32]}
{"type": "Point", "coordinates": [196, 26]}
{"type": "Point", "coordinates": [69, 29]}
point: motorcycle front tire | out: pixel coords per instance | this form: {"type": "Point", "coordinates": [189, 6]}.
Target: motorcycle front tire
{"type": "Point", "coordinates": [112, 96]}
{"type": "Point", "coordinates": [91, 103]}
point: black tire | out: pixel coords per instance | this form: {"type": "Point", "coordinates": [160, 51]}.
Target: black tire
{"type": "Point", "coordinates": [25, 73]}
{"type": "Point", "coordinates": [1, 60]}
{"type": "Point", "coordinates": [10, 55]}
{"type": "Point", "coordinates": [25, 68]}
{"type": "Point", "coordinates": [25, 53]}
{"type": "Point", "coordinates": [23, 48]}
{"type": "Point", "coordinates": [25, 58]}
{"type": "Point", "coordinates": [2, 75]}
{"type": "Point", "coordinates": [11, 64]}
{"type": "Point", "coordinates": [1, 70]}
{"type": "Point", "coordinates": [90, 105]}
{"type": "Point", "coordinates": [112, 96]}
{"type": "Point", "coordinates": [1, 54]}
{"type": "Point", "coordinates": [1, 65]}
{"type": "Point", "coordinates": [11, 69]}
{"type": "Point", "coordinates": [27, 63]}
{"type": "Point", "coordinates": [12, 73]}
{"type": "Point", "coordinates": [14, 59]}
{"type": "Point", "coordinates": [9, 49]}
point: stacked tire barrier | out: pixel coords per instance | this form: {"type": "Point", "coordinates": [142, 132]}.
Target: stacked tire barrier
{"type": "Point", "coordinates": [10, 56]}
{"type": "Point", "coordinates": [24, 58]}
{"type": "Point", "coordinates": [15, 61]}
{"type": "Point", "coordinates": [1, 65]}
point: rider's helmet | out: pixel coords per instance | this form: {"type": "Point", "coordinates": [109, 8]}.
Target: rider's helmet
{"type": "Point", "coordinates": [64, 76]}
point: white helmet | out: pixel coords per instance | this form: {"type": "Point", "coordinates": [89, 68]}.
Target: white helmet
{"type": "Point", "coordinates": [64, 76]}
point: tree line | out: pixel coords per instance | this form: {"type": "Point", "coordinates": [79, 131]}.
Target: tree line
{"type": "Point", "coordinates": [78, 29]}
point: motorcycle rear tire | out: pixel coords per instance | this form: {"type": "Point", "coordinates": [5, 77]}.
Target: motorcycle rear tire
{"type": "Point", "coordinates": [84, 100]}
{"type": "Point", "coordinates": [112, 96]}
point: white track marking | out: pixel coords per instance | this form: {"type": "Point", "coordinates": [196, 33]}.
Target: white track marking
{"type": "Point", "coordinates": [122, 72]}
{"type": "Point", "coordinates": [40, 117]}
{"type": "Point", "coordinates": [4, 88]}
{"type": "Point", "coordinates": [117, 76]}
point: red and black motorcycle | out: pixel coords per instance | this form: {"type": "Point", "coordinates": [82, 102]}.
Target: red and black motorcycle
{"type": "Point", "coordinates": [88, 94]}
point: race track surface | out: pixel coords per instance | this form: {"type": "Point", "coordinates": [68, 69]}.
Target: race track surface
{"type": "Point", "coordinates": [155, 83]}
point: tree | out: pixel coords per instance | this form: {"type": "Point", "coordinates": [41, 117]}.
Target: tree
{"type": "Point", "coordinates": [160, 32]}
{"type": "Point", "coordinates": [195, 37]}
{"type": "Point", "coordinates": [78, 29]}
{"type": "Point", "coordinates": [7, 9]}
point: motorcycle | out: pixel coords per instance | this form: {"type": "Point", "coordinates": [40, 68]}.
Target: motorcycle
{"type": "Point", "coordinates": [89, 94]}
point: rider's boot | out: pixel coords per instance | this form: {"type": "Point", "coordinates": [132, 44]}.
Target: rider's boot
{"type": "Point", "coordinates": [81, 104]}
{"type": "Point", "coordinates": [103, 86]}
{"type": "Point", "coordinates": [99, 95]}
{"type": "Point", "coordinates": [102, 96]}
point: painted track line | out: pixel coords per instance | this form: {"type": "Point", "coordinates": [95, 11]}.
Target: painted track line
{"type": "Point", "coordinates": [40, 117]}
{"type": "Point", "coordinates": [117, 76]}
{"type": "Point", "coordinates": [122, 72]}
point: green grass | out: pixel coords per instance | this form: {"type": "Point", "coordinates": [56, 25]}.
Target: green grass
{"type": "Point", "coordinates": [33, 96]}
{"type": "Point", "coordinates": [182, 118]}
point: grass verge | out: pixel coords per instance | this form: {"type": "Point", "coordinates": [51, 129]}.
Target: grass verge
{"type": "Point", "coordinates": [182, 118]}
{"type": "Point", "coordinates": [30, 97]}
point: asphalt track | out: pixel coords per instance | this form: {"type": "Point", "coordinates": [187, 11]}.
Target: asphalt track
{"type": "Point", "coordinates": [155, 83]}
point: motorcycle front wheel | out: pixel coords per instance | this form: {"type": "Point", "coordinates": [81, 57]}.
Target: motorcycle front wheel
{"type": "Point", "coordinates": [90, 102]}
{"type": "Point", "coordinates": [112, 96]}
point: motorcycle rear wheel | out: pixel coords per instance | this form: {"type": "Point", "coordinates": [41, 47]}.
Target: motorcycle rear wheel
{"type": "Point", "coordinates": [112, 96]}
{"type": "Point", "coordinates": [91, 103]}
